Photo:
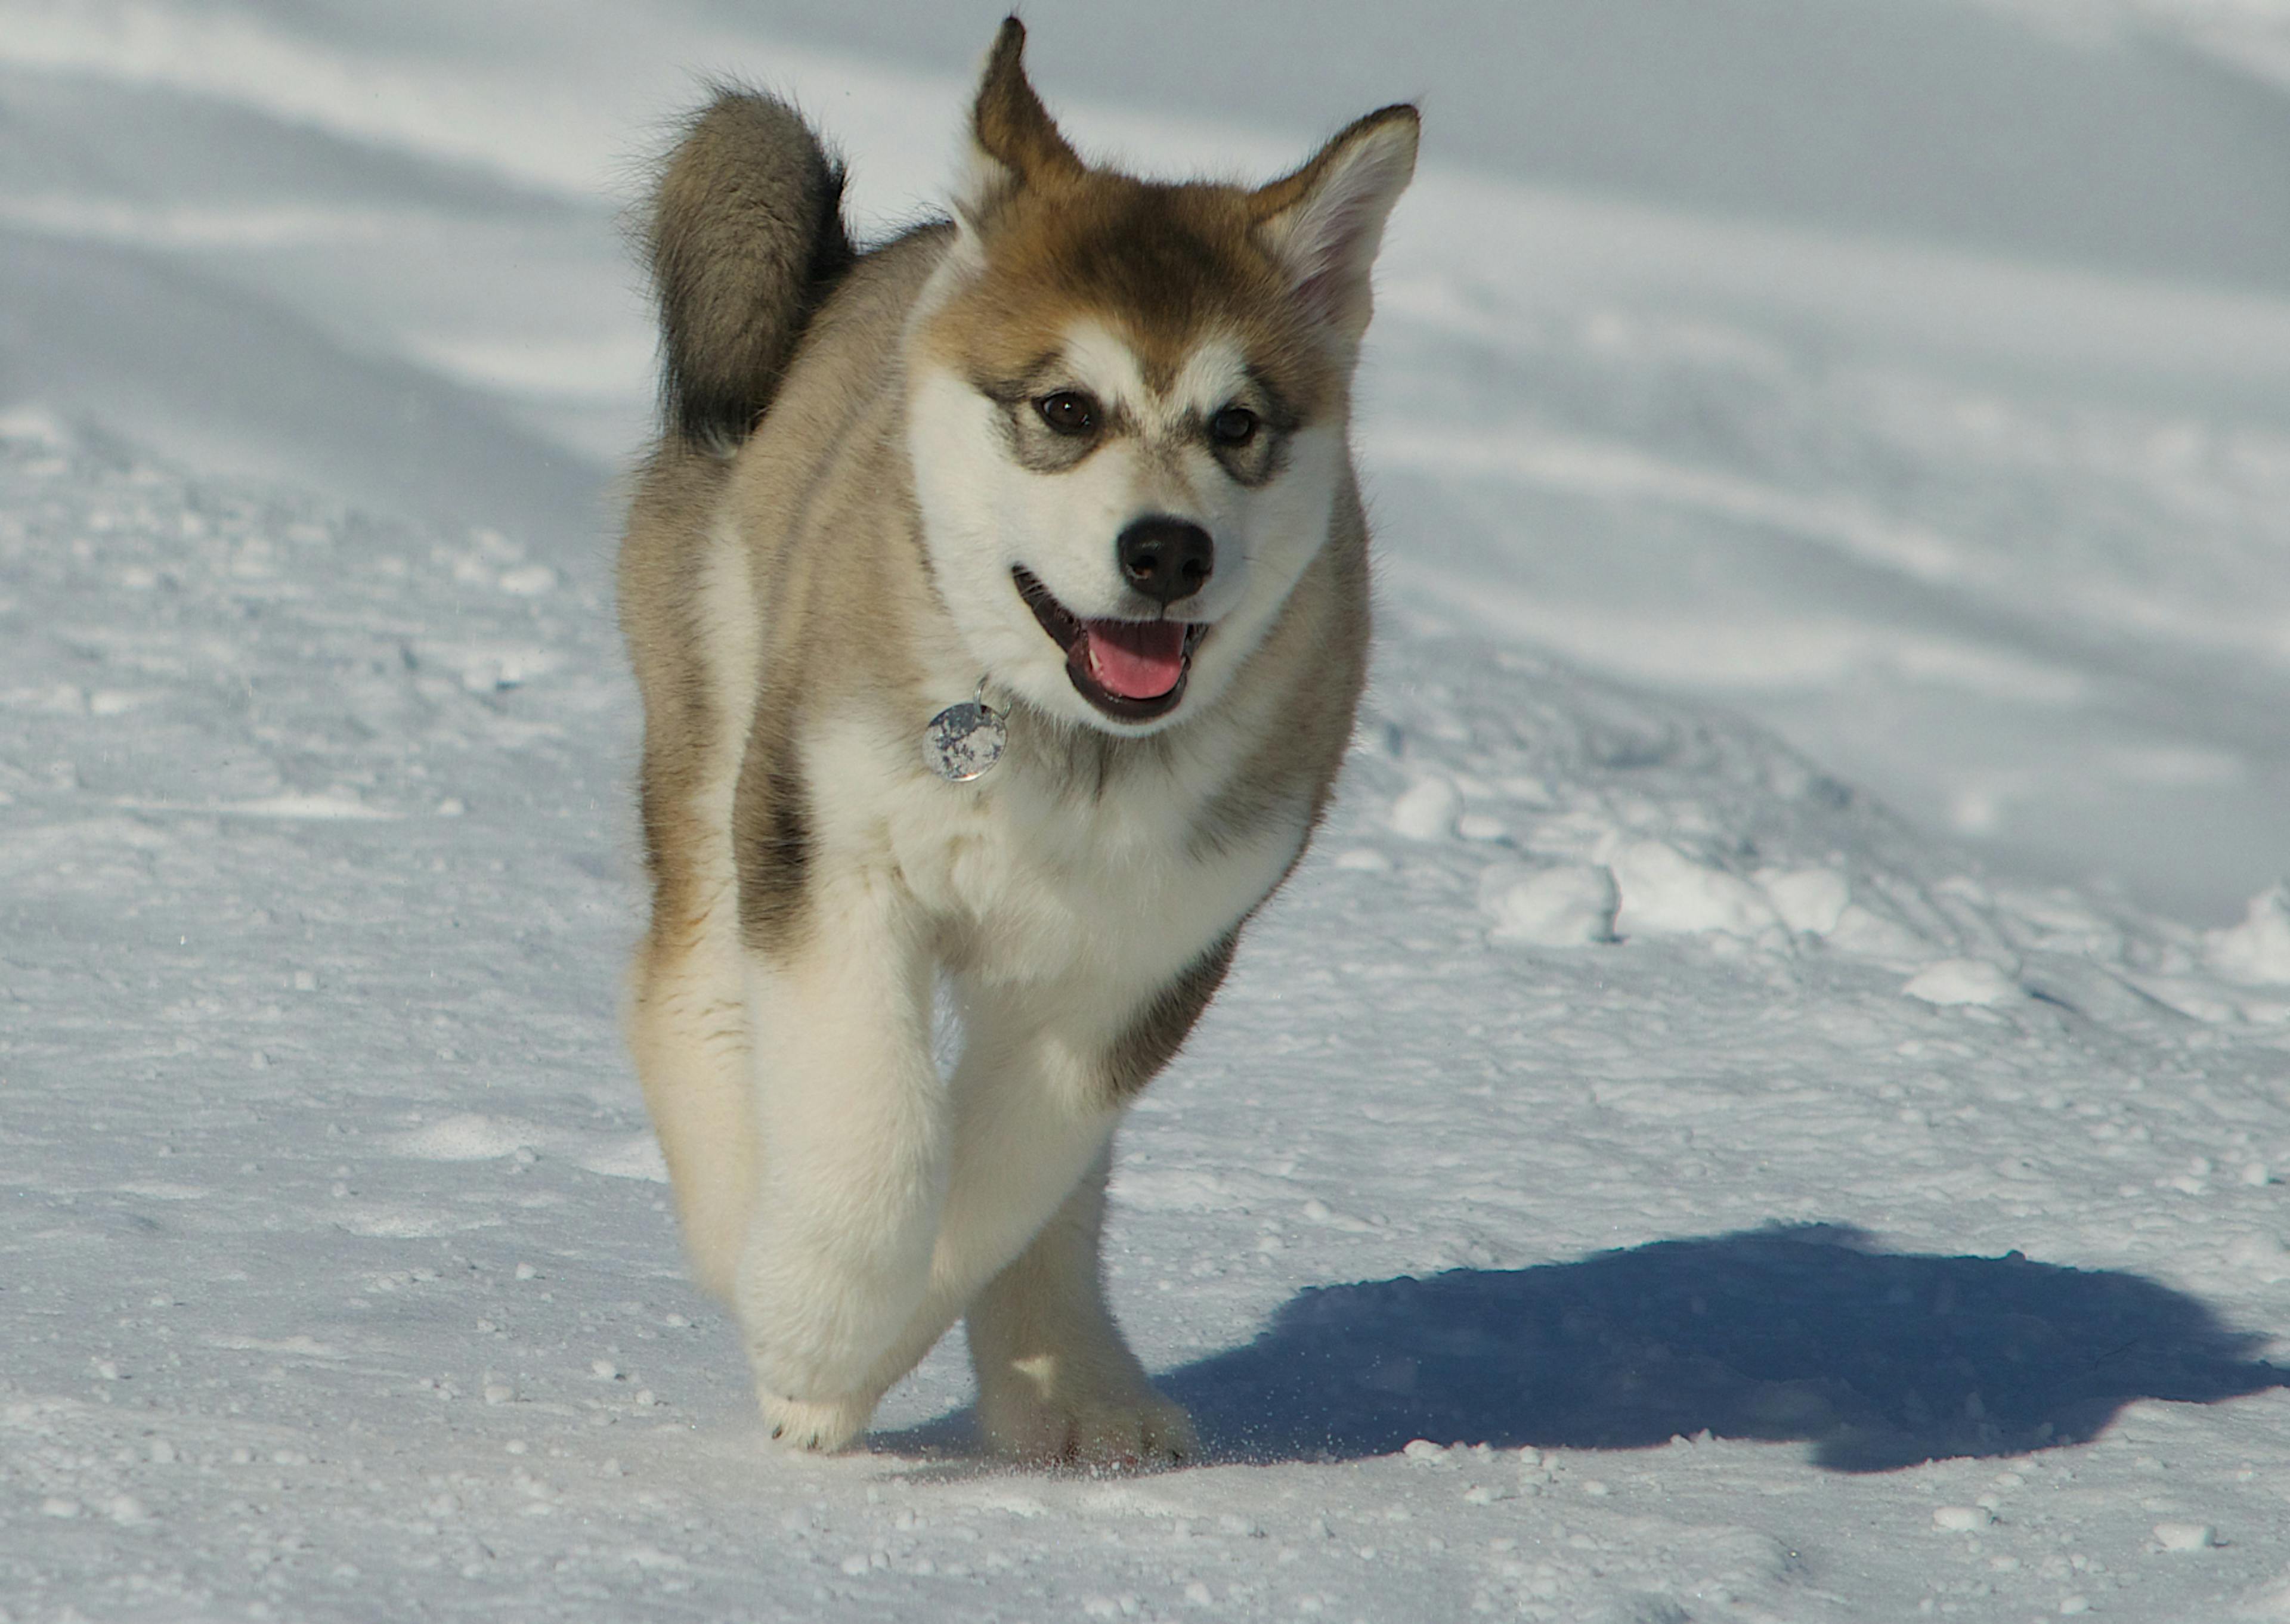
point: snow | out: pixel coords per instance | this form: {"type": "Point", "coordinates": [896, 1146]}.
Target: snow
{"type": "Point", "coordinates": [1963, 980]}
{"type": "Point", "coordinates": [2258, 949]}
{"type": "Point", "coordinates": [1767, 1102]}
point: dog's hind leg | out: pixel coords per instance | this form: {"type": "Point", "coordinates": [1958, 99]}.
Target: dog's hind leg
{"type": "Point", "coordinates": [686, 1012]}
{"type": "Point", "coordinates": [687, 1030]}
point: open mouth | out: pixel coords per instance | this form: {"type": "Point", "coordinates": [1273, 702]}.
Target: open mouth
{"type": "Point", "coordinates": [1132, 670]}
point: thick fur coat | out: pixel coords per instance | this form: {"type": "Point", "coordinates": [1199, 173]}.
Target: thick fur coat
{"type": "Point", "coordinates": [1081, 453]}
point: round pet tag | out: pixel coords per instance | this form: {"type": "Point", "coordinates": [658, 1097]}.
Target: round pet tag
{"type": "Point", "coordinates": [964, 741]}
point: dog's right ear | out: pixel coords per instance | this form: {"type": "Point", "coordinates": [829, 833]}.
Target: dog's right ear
{"type": "Point", "coordinates": [1012, 140]}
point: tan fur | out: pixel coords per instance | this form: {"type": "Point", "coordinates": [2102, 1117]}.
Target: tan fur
{"type": "Point", "coordinates": [746, 238]}
{"type": "Point", "coordinates": [1010, 125]}
{"type": "Point", "coordinates": [791, 636]}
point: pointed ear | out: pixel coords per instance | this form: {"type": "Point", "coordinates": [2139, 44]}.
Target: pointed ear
{"type": "Point", "coordinates": [1012, 140]}
{"type": "Point", "coordinates": [1325, 221]}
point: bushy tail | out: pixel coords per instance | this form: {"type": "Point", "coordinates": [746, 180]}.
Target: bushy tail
{"type": "Point", "coordinates": [746, 238]}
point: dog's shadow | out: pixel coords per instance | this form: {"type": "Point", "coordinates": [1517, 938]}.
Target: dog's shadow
{"type": "Point", "coordinates": [1877, 1360]}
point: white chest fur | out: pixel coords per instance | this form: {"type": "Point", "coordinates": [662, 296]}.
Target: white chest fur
{"type": "Point", "coordinates": [1041, 875]}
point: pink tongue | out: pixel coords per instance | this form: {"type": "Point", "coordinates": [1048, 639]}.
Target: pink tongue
{"type": "Point", "coordinates": [1138, 659]}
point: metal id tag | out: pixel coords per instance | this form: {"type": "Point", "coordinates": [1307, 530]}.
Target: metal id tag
{"type": "Point", "coordinates": [964, 741]}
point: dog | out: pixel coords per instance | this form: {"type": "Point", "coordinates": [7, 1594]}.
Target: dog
{"type": "Point", "coordinates": [998, 599]}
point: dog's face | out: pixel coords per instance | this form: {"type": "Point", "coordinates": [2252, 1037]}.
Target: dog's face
{"type": "Point", "coordinates": [1127, 407]}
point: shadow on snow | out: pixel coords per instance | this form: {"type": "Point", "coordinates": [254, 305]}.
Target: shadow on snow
{"type": "Point", "coordinates": [1877, 1359]}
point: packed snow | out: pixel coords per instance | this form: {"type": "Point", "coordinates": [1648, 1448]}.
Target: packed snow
{"type": "Point", "coordinates": [1767, 1100]}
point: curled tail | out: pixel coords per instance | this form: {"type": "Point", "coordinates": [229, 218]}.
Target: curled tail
{"type": "Point", "coordinates": [746, 238]}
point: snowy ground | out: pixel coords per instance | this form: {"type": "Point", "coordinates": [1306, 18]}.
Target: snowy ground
{"type": "Point", "coordinates": [1839, 1178]}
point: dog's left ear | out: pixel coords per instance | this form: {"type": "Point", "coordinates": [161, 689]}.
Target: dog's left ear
{"type": "Point", "coordinates": [1012, 140]}
{"type": "Point", "coordinates": [1325, 221]}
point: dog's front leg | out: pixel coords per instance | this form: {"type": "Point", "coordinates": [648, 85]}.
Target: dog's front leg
{"type": "Point", "coordinates": [1035, 1100]}
{"type": "Point", "coordinates": [1056, 1379]}
{"type": "Point", "coordinates": [852, 1121]}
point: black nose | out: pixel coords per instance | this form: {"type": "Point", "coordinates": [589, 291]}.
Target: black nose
{"type": "Point", "coordinates": [1166, 558]}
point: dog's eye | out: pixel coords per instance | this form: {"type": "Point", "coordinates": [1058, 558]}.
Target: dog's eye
{"type": "Point", "coordinates": [1068, 412]}
{"type": "Point", "coordinates": [1233, 426]}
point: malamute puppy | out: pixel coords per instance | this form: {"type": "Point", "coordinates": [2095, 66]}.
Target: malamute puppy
{"type": "Point", "coordinates": [998, 597]}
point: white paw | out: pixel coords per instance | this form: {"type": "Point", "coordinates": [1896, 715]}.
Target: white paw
{"type": "Point", "coordinates": [814, 1427]}
{"type": "Point", "coordinates": [1133, 1430]}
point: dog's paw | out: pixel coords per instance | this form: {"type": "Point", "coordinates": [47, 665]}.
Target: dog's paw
{"type": "Point", "coordinates": [1130, 1431]}
{"type": "Point", "coordinates": [814, 1427]}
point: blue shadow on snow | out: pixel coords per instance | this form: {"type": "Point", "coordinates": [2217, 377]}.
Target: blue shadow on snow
{"type": "Point", "coordinates": [1877, 1359]}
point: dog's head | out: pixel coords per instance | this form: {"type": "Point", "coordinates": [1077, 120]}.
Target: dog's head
{"type": "Point", "coordinates": [1128, 404]}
